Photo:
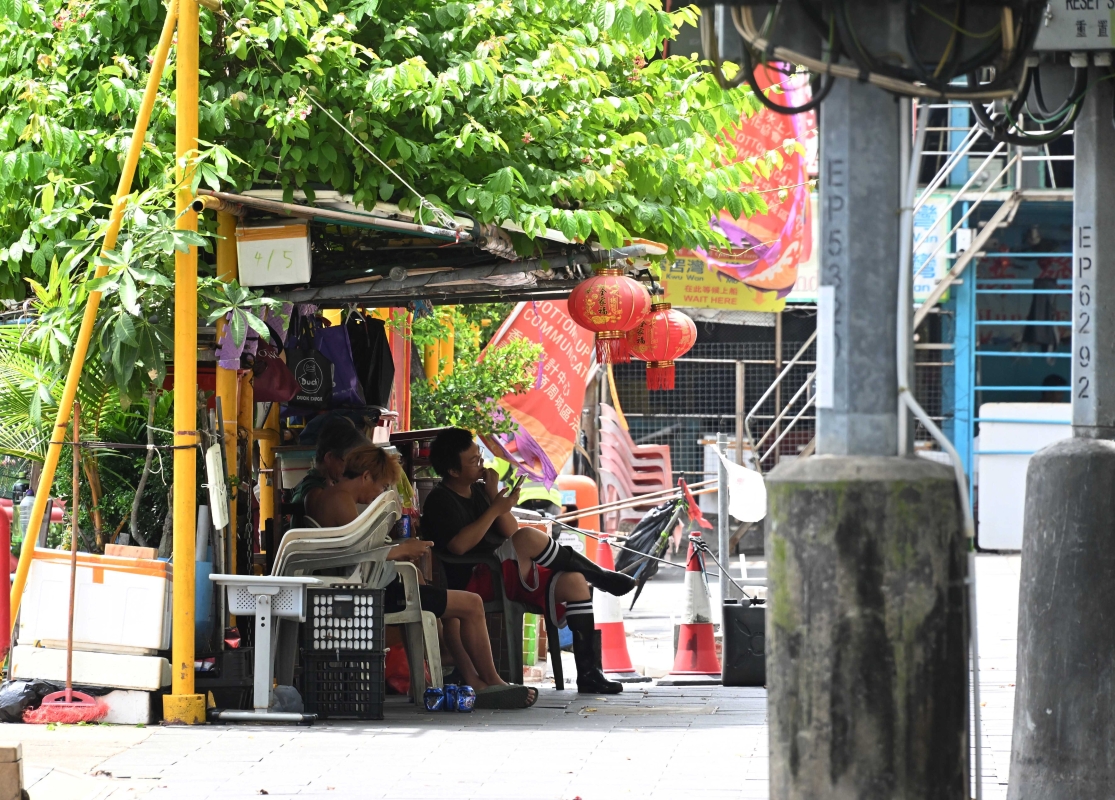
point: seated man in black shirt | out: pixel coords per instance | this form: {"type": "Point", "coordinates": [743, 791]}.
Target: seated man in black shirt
{"type": "Point", "coordinates": [467, 513]}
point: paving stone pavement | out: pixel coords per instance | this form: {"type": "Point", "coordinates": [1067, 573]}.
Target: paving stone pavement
{"type": "Point", "coordinates": [650, 742]}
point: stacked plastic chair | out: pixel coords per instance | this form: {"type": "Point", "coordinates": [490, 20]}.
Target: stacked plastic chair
{"type": "Point", "coordinates": [628, 470]}
{"type": "Point", "coordinates": [360, 550]}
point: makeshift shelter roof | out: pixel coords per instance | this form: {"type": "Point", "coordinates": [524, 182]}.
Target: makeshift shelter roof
{"type": "Point", "coordinates": [384, 257]}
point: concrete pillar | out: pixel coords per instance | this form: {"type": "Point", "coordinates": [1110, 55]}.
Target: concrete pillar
{"type": "Point", "coordinates": [857, 379]}
{"type": "Point", "coordinates": [1063, 721]}
{"type": "Point", "coordinates": [1093, 275]}
{"type": "Point", "coordinates": [866, 631]}
{"type": "Point", "coordinates": [867, 622]}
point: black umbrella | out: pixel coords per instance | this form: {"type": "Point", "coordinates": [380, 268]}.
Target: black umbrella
{"type": "Point", "coordinates": [650, 538]}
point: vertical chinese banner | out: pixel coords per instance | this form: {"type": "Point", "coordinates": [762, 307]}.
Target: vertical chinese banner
{"type": "Point", "coordinates": [549, 413]}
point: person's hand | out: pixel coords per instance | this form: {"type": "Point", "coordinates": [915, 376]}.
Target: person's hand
{"type": "Point", "coordinates": [504, 502]}
{"type": "Point", "coordinates": [409, 550]}
{"type": "Point", "coordinates": [491, 483]}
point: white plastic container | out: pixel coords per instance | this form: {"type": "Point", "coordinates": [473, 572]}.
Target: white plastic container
{"type": "Point", "coordinates": [112, 670]}
{"type": "Point", "coordinates": [121, 605]}
{"type": "Point", "coordinates": [1009, 435]}
{"type": "Point", "coordinates": [274, 255]}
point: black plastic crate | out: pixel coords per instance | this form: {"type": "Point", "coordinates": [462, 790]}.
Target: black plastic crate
{"type": "Point", "coordinates": [343, 688]}
{"type": "Point", "coordinates": [232, 681]}
{"type": "Point", "coordinates": [343, 620]}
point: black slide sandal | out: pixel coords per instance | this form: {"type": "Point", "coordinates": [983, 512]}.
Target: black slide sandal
{"type": "Point", "coordinates": [507, 698]}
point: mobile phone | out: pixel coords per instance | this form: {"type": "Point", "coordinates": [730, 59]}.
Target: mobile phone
{"type": "Point", "coordinates": [516, 482]}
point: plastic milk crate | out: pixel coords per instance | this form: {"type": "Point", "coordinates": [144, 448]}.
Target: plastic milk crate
{"type": "Point", "coordinates": [348, 686]}
{"type": "Point", "coordinates": [343, 620]}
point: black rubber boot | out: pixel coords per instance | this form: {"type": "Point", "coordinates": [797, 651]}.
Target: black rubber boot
{"type": "Point", "coordinates": [560, 558]}
{"type": "Point", "coordinates": [586, 653]}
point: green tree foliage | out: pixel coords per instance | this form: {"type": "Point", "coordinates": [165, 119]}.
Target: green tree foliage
{"type": "Point", "coordinates": [543, 113]}
{"type": "Point", "coordinates": [469, 396]}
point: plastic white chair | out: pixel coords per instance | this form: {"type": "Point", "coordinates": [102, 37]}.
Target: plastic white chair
{"type": "Point", "coordinates": [420, 629]}
{"type": "Point", "coordinates": [363, 545]}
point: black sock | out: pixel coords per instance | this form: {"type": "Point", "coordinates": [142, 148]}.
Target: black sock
{"type": "Point", "coordinates": [548, 555]}
{"type": "Point", "coordinates": [582, 624]}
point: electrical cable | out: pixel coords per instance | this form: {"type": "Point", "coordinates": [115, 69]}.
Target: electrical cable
{"type": "Point", "coordinates": [999, 130]}
{"type": "Point", "coordinates": [826, 83]}
{"type": "Point", "coordinates": [1079, 86]}
{"type": "Point", "coordinates": [742, 19]}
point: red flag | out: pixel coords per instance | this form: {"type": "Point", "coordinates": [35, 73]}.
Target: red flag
{"type": "Point", "coordinates": [694, 512]}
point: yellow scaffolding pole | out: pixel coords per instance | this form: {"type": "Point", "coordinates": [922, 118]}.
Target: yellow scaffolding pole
{"type": "Point", "coordinates": [89, 318]}
{"type": "Point", "coordinates": [182, 705]}
{"type": "Point", "coordinates": [268, 438]}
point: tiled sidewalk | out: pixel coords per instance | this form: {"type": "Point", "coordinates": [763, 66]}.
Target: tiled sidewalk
{"type": "Point", "coordinates": [650, 742]}
{"type": "Point", "coordinates": [675, 743]}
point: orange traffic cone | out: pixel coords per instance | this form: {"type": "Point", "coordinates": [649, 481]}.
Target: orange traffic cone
{"type": "Point", "coordinates": [696, 652]}
{"type": "Point", "coordinates": [615, 660]}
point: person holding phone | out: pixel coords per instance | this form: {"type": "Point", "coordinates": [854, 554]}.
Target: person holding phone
{"type": "Point", "coordinates": [468, 513]}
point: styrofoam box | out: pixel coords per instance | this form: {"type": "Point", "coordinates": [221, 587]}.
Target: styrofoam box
{"type": "Point", "coordinates": [121, 605]}
{"type": "Point", "coordinates": [113, 670]}
{"type": "Point", "coordinates": [1006, 448]}
{"type": "Point", "coordinates": [274, 255]}
{"type": "Point", "coordinates": [128, 707]}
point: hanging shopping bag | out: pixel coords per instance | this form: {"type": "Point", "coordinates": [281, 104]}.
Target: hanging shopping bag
{"type": "Point", "coordinates": [333, 342]}
{"type": "Point", "coordinates": [313, 371]}
{"type": "Point", "coordinates": [273, 381]}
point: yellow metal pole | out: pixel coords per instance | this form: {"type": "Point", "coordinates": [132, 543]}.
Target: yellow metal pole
{"type": "Point", "coordinates": [183, 705]}
{"type": "Point", "coordinates": [227, 382]}
{"type": "Point", "coordinates": [81, 345]}
{"type": "Point", "coordinates": [431, 359]}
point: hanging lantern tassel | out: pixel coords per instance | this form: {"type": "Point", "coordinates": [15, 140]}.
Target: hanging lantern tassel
{"type": "Point", "coordinates": [660, 375]}
{"type": "Point", "coordinates": [609, 304]}
{"type": "Point", "coordinates": [612, 348]}
{"type": "Point", "coordinates": [664, 335]}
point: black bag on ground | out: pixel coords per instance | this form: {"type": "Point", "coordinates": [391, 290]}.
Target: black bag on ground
{"type": "Point", "coordinates": [15, 697]}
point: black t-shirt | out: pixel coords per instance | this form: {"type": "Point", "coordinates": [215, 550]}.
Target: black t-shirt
{"type": "Point", "coordinates": [445, 514]}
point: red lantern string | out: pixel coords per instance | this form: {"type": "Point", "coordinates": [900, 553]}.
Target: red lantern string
{"type": "Point", "coordinates": [664, 335]}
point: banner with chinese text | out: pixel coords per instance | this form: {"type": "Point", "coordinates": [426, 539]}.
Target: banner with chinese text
{"type": "Point", "coordinates": [549, 414]}
{"type": "Point", "coordinates": [690, 284]}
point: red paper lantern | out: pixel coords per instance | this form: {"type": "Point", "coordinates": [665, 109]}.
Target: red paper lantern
{"type": "Point", "coordinates": [665, 334]}
{"type": "Point", "coordinates": [609, 304]}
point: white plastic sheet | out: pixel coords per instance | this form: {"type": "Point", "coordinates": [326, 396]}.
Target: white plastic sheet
{"type": "Point", "coordinates": [747, 492]}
